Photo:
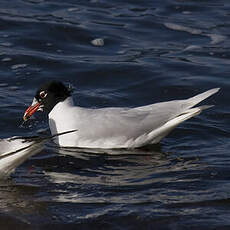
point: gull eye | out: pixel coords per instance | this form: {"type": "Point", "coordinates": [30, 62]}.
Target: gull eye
{"type": "Point", "coordinates": [43, 94]}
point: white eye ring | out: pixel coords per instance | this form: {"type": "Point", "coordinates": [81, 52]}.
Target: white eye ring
{"type": "Point", "coordinates": [43, 94]}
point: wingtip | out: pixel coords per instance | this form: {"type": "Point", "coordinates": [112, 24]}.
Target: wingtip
{"type": "Point", "coordinates": [202, 96]}
{"type": "Point", "coordinates": [204, 107]}
{"type": "Point", "coordinates": [213, 91]}
{"type": "Point", "coordinates": [216, 89]}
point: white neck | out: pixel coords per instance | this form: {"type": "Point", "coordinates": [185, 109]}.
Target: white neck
{"type": "Point", "coordinates": [62, 105]}
{"type": "Point", "coordinates": [59, 116]}
{"type": "Point", "coordinates": [67, 102]}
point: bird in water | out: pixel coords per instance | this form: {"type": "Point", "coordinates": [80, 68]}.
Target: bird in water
{"type": "Point", "coordinates": [112, 127]}
{"type": "Point", "coordinates": [16, 150]}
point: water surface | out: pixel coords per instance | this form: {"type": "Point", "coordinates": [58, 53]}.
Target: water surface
{"type": "Point", "coordinates": [153, 51]}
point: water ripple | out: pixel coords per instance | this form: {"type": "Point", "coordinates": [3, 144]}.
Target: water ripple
{"type": "Point", "coordinates": [152, 51]}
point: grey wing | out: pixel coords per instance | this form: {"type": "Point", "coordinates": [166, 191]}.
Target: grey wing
{"type": "Point", "coordinates": [153, 116]}
{"type": "Point", "coordinates": [127, 122]}
{"type": "Point", "coordinates": [143, 123]}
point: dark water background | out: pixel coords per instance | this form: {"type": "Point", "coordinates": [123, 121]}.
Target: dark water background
{"type": "Point", "coordinates": [153, 51]}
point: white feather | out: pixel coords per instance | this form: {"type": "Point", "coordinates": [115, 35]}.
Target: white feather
{"type": "Point", "coordinates": [14, 152]}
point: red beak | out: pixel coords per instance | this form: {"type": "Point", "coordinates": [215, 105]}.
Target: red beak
{"type": "Point", "coordinates": [30, 111]}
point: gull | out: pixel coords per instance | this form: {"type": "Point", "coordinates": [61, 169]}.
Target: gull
{"type": "Point", "coordinates": [16, 150]}
{"type": "Point", "coordinates": [111, 127]}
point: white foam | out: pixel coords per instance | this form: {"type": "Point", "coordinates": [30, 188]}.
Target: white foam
{"type": "Point", "coordinates": [177, 27]}
{"type": "Point", "coordinates": [216, 38]}
{"type": "Point", "coordinates": [98, 42]}
{"type": "Point", "coordinates": [18, 66]}
{"type": "Point", "coordinates": [192, 47]}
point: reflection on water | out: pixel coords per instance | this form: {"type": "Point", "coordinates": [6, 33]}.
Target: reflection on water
{"type": "Point", "coordinates": [106, 174]}
{"type": "Point", "coordinates": [71, 186]}
{"type": "Point", "coordinates": [107, 180]}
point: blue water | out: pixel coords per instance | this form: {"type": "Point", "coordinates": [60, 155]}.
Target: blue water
{"type": "Point", "coordinates": [153, 51]}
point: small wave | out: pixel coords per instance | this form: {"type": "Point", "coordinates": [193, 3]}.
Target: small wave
{"type": "Point", "coordinates": [177, 27]}
{"type": "Point", "coordinates": [216, 38]}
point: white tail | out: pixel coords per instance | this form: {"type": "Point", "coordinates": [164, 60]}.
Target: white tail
{"type": "Point", "coordinates": [200, 97]}
{"type": "Point", "coordinates": [157, 134]}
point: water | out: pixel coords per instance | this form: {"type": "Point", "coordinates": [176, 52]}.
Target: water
{"type": "Point", "coordinates": [150, 51]}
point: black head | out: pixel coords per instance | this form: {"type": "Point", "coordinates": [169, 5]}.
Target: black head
{"type": "Point", "coordinates": [51, 93]}
{"type": "Point", "coordinates": [47, 97]}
